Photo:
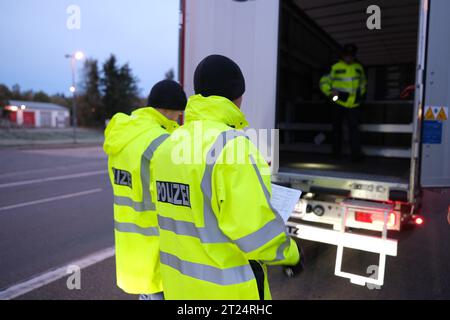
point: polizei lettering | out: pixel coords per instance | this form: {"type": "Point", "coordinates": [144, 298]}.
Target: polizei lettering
{"type": "Point", "coordinates": [173, 193]}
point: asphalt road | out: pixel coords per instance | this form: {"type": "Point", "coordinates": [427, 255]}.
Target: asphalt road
{"type": "Point", "coordinates": [76, 220]}
{"type": "Point", "coordinates": [72, 217]}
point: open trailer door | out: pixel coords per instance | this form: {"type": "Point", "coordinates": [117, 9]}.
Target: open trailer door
{"type": "Point", "coordinates": [245, 31]}
{"type": "Point", "coordinates": [435, 167]}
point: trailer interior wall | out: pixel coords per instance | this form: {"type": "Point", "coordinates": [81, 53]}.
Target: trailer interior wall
{"type": "Point", "coordinates": [311, 35]}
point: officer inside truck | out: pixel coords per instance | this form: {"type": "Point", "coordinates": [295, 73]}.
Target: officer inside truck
{"type": "Point", "coordinates": [345, 86]}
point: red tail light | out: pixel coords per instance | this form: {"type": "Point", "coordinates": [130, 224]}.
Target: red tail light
{"type": "Point", "coordinates": [369, 218]}
{"type": "Point", "coordinates": [419, 221]}
{"type": "Point", "coordinates": [363, 217]}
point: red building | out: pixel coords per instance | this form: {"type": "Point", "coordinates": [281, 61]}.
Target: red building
{"type": "Point", "coordinates": [38, 114]}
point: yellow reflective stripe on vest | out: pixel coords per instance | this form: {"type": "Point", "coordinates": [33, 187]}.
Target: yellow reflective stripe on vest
{"type": "Point", "coordinates": [227, 276]}
{"type": "Point", "coordinates": [134, 228]}
{"type": "Point", "coordinates": [146, 204]}
{"type": "Point", "coordinates": [211, 232]}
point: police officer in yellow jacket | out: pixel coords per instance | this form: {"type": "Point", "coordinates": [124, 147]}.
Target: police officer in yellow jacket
{"type": "Point", "coordinates": [218, 230]}
{"type": "Point", "coordinates": [130, 142]}
{"type": "Point", "coordinates": [345, 86]}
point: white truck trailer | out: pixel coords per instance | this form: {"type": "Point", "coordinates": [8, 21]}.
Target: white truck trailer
{"type": "Point", "coordinates": [283, 48]}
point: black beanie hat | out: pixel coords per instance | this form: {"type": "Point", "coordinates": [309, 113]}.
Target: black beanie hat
{"type": "Point", "coordinates": [217, 75]}
{"type": "Point", "coordinates": [167, 94]}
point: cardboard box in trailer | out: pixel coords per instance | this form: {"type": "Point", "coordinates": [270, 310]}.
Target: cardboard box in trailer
{"type": "Point", "coordinates": [284, 48]}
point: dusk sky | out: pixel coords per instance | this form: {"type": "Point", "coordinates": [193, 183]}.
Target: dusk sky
{"type": "Point", "coordinates": [34, 38]}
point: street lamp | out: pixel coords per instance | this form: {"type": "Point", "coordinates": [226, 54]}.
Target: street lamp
{"type": "Point", "coordinates": [78, 55]}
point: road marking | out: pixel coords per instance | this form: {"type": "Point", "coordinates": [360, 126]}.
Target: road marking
{"type": "Point", "coordinates": [24, 172]}
{"type": "Point", "coordinates": [53, 275]}
{"type": "Point", "coordinates": [68, 176]}
{"type": "Point", "coordinates": [66, 196]}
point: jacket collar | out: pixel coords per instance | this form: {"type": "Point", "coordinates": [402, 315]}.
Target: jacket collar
{"type": "Point", "coordinates": [215, 108]}
{"type": "Point", "coordinates": [158, 117]}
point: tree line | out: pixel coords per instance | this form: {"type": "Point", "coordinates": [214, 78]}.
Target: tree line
{"type": "Point", "coordinates": [15, 93]}
{"type": "Point", "coordinates": [102, 91]}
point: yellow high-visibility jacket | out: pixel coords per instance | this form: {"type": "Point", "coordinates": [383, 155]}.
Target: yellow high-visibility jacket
{"type": "Point", "coordinates": [130, 142]}
{"type": "Point", "coordinates": [212, 190]}
{"type": "Point", "coordinates": [347, 78]}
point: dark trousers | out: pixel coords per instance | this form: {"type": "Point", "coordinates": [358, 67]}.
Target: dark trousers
{"type": "Point", "coordinates": [351, 116]}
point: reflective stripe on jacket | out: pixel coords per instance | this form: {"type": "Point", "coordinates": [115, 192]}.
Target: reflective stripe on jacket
{"type": "Point", "coordinates": [130, 142]}
{"type": "Point", "coordinates": [212, 190]}
{"type": "Point", "coordinates": [347, 78]}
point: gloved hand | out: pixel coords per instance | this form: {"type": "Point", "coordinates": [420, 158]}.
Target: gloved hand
{"type": "Point", "coordinates": [293, 271]}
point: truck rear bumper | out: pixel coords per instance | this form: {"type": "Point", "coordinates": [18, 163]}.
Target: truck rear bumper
{"type": "Point", "coordinates": [348, 240]}
{"type": "Point", "coordinates": [343, 240]}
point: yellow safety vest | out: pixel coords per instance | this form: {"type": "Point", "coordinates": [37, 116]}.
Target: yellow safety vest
{"type": "Point", "coordinates": [347, 78]}
{"type": "Point", "coordinates": [212, 190]}
{"type": "Point", "coordinates": [129, 143]}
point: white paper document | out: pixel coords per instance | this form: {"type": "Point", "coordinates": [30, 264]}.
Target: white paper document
{"type": "Point", "coordinates": [284, 200]}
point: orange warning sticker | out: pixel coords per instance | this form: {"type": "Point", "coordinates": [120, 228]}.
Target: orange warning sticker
{"type": "Point", "coordinates": [442, 114]}
{"type": "Point", "coordinates": [435, 113]}
{"type": "Point", "coordinates": [429, 114]}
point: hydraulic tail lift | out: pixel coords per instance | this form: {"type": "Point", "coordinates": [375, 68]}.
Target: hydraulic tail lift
{"type": "Point", "coordinates": [343, 238]}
